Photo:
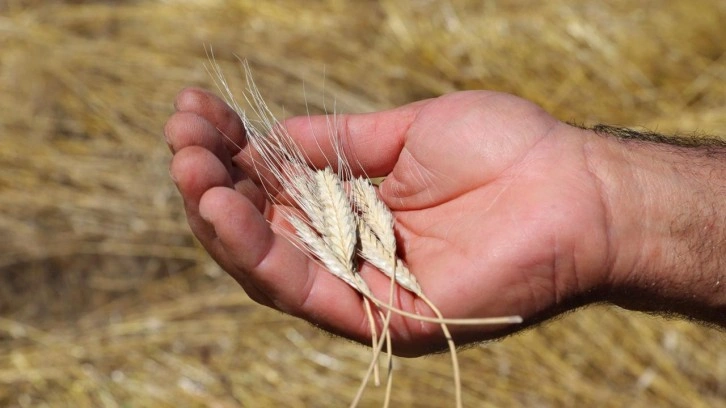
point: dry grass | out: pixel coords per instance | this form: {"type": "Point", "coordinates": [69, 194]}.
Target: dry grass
{"type": "Point", "coordinates": [107, 301]}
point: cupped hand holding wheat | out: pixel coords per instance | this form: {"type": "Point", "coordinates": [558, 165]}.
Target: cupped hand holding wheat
{"type": "Point", "coordinates": [491, 217]}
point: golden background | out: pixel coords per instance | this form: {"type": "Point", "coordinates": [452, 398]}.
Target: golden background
{"type": "Point", "coordinates": [107, 301]}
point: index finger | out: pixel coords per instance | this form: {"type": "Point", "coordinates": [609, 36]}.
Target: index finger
{"type": "Point", "coordinates": [370, 142]}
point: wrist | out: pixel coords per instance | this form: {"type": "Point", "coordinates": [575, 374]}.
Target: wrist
{"type": "Point", "coordinates": [666, 229]}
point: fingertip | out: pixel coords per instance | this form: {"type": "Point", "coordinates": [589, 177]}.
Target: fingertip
{"type": "Point", "coordinates": [188, 98]}
{"type": "Point", "coordinates": [216, 111]}
{"type": "Point", "coordinates": [185, 129]}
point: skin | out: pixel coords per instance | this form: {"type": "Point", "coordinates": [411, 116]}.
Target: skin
{"type": "Point", "coordinates": [500, 210]}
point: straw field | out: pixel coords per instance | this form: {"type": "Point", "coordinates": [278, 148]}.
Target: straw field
{"type": "Point", "coordinates": [107, 300]}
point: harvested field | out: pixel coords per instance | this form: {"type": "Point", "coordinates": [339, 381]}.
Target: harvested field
{"type": "Point", "coordinates": [107, 300]}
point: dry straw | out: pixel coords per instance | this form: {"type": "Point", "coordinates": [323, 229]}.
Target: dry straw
{"type": "Point", "coordinates": [106, 300]}
{"type": "Point", "coordinates": [336, 220]}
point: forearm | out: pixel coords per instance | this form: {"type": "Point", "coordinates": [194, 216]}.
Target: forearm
{"type": "Point", "coordinates": [666, 201]}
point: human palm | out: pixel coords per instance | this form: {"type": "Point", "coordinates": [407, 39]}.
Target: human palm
{"type": "Point", "coordinates": [496, 211]}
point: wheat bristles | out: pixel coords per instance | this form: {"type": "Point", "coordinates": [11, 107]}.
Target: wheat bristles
{"type": "Point", "coordinates": [305, 196]}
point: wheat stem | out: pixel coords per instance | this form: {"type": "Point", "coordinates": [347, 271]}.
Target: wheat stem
{"type": "Point", "coordinates": [374, 338]}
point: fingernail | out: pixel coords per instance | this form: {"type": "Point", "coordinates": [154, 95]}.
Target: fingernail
{"type": "Point", "coordinates": [173, 178]}
{"type": "Point", "coordinates": [203, 213]}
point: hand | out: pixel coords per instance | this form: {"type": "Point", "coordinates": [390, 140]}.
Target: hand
{"type": "Point", "coordinates": [497, 212]}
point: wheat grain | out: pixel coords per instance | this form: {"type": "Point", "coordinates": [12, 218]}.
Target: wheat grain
{"type": "Point", "coordinates": [376, 233]}
{"type": "Point", "coordinates": [374, 212]}
{"type": "Point", "coordinates": [380, 256]}
{"type": "Point", "coordinates": [316, 245]}
{"type": "Point", "coordinates": [339, 226]}
{"type": "Point", "coordinates": [327, 240]}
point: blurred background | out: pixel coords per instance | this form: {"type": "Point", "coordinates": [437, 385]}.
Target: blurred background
{"type": "Point", "coordinates": [106, 300]}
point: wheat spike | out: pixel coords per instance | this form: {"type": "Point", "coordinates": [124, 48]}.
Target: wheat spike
{"type": "Point", "coordinates": [373, 211]}
{"type": "Point", "coordinates": [289, 166]}
{"type": "Point", "coordinates": [316, 246]}
{"type": "Point", "coordinates": [377, 239]}
{"type": "Point", "coordinates": [338, 229]}
{"type": "Point", "coordinates": [378, 246]}
{"type": "Point", "coordinates": [380, 256]}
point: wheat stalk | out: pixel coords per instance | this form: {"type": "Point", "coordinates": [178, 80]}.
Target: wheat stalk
{"type": "Point", "coordinates": [335, 226]}
{"type": "Point", "coordinates": [378, 246]}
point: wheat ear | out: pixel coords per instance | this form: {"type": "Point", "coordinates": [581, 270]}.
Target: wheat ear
{"type": "Point", "coordinates": [337, 227]}
{"type": "Point", "coordinates": [289, 166]}
{"type": "Point", "coordinates": [378, 246]}
{"type": "Point", "coordinates": [377, 232]}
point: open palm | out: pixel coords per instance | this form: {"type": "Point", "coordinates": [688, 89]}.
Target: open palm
{"type": "Point", "coordinates": [496, 211]}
